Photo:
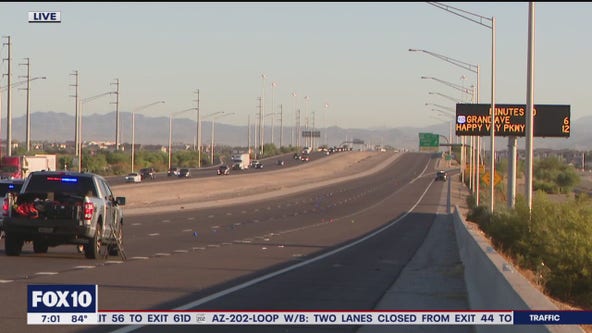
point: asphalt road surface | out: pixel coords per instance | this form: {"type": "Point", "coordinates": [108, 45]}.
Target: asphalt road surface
{"type": "Point", "coordinates": [326, 239]}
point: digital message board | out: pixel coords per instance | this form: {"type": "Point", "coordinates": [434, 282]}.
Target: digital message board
{"type": "Point", "coordinates": [510, 120]}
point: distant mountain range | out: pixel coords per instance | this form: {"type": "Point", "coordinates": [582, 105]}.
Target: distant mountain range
{"type": "Point", "coordinates": [59, 127]}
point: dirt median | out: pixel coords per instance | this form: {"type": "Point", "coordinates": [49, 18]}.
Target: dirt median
{"type": "Point", "coordinates": [206, 192]}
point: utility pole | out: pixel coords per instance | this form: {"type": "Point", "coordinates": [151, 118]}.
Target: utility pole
{"type": "Point", "coordinates": [249, 134]}
{"type": "Point", "coordinates": [8, 106]}
{"type": "Point", "coordinates": [28, 117]}
{"type": "Point", "coordinates": [76, 121]}
{"type": "Point", "coordinates": [260, 148]}
{"type": "Point", "coordinates": [117, 134]}
{"type": "Point", "coordinates": [198, 133]}
{"type": "Point", "coordinates": [281, 125]}
{"type": "Point", "coordinates": [273, 85]}
{"type": "Point", "coordinates": [298, 133]}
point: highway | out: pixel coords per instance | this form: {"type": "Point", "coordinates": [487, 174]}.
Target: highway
{"type": "Point", "coordinates": [269, 164]}
{"type": "Point", "coordinates": [324, 239]}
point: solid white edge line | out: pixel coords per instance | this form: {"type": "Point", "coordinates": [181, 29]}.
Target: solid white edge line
{"type": "Point", "coordinates": [287, 269]}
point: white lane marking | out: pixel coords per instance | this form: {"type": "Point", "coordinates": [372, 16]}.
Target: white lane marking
{"type": "Point", "coordinates": [246, 284]}
{"type": "Point", "coordinates": [166, 221]}
{"type": "Point", "coordinates": [135, 224]}
{"type": "Point", "coordinates": [84, 267]}
{"type": "Point", "coordinates": [6, 281]}
{"type": "Point", "coordinates": [180, 251]}
{"type": "Point", "coordinates": [154, 234]}
{"type": "Point", "coordinates": [139, 258]}
{"type": "Point", "coordinates": [162, 254]}
{"type": "Point", "coordinates": [187, 230]}
{"type": "Point", "coordinates": [46, 273]}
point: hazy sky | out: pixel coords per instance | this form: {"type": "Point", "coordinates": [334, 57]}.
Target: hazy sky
{"type": "Point", "coordinates": [351, 56]}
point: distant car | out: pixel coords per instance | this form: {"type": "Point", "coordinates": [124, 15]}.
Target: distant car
{"type": "Point", "coordinates": [133, 177]}
{"type": "Point", "coordinates": [147, 173]}
{"type": "Point", "coordinates": [441, 175]}
{"type": "Point", "coordinates": [184, 173]}
{"type": "Point", "coordinates": [223, 170]}
{"type": "Point", "coordinates": [280, 162]}
{"type": "Point", "coordinates": [174, 171]}
{"type": "Point", "coordinates": [258, 165]}
{"type": "Point", "coordinates": [254, 163]}
{"type": "Point", "coordinates": [305, 158]}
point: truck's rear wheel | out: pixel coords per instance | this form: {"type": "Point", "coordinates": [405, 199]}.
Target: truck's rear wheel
{"type": "Point", "coordinates": [40, 247]}
{"type": "Point", "coordinates": [13, 245]}
{"type": "Point", "coordinates": [93, 248]}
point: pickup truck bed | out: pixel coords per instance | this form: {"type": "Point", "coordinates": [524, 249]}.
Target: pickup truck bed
{"type": "Point", "coordinates": [55, 208]}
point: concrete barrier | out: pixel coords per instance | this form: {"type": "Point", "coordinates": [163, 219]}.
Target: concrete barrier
{"type": "Point", "coordinates": [494, 284]}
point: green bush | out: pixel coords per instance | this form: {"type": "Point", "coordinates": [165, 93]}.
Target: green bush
{"type": "Point", "coordinates": [554, 236]}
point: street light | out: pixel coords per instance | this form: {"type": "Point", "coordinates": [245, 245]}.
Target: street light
{"type": "Point", "coordinates": [205, 117]}
{"type": "Point", "coordinates": [452, 110]}
{"type": "Point", "coordinates": [479, 19]}
{"type": "Point", "coordinates": [79, 125]}
{"type": "Point", "coordinates": [8, 115]}
{"type": "Point", "coordinates": [475, 69]}
{"type": "Point", "coordinates": [450, 84]}
{"type": "Point", "coordinates": [445, 96]}
{"type": "Point", "coordinates": [171, 132]}
{"type": "Point", "coordinates": [213, 121]}
{"type": "Point", "coordinates": [325, 123]}
{"type": "Point", "coordinates": [134, 126]}
{"type": "Point", "coordinates": [472, 93]}
{"type": "Point", "coordinates": [273, 85]}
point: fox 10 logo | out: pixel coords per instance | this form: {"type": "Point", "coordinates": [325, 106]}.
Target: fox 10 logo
{"type": "Point", "coordinates": [45, 17]}
{"type": "Point", "coordinates": [48, 298]}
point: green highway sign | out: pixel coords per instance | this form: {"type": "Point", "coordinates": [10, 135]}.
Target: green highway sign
{"type": "Point", "coordinates": [429, 140]}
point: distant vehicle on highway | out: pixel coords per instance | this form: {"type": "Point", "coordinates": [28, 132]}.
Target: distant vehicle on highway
{"type": "Point", "coordinates": [280, 162]}
{"type": "Point", "coordinates": [304, 158]}
{"type": "Point", "coordinates": [133, 177]}
{"type": "Point", "coordinates": [147, 173]}
{"type": "Point", "coordinates": [441, 175]}
{"type": "Point", "coordinates": [258, 165]}
{"type": "Point", "coordinates": [223, 170]}
{"type": "Point", "coordinates": [184, 173]}
{"type": "Point", "coordinates": [173, 171]}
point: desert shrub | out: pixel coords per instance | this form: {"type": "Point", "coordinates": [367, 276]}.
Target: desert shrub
{"type": "Point", "coordinates": [556, 236]}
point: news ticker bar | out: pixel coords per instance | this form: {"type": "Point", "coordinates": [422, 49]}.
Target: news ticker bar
{"type": "Point", "coordinates": [194, 317]}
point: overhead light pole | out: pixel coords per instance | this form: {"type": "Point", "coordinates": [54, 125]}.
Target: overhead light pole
{"type": "Point", "coordinates": [82, 102]}
{"type": "Point", "coordinates": [198, 134]}
{"type": "Point", "coordinates": [273, 85]}
{"type": "Point", "coordinates": [474, 173]}
{"type": "Point", "coordinates": [134, 127]}
{"type": "Point", "coordinates": [9, 121]}
{"type": "Point", "coordinates": [170, 152]}
{"type": "Point", "coordinates": [479, 19]}
{"type": "Point", "coordinates": [212, 114]}
{"type": "Point", "coordinates": [477, 144]}
{"type": "Point", "coordinates": [213, 121]}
